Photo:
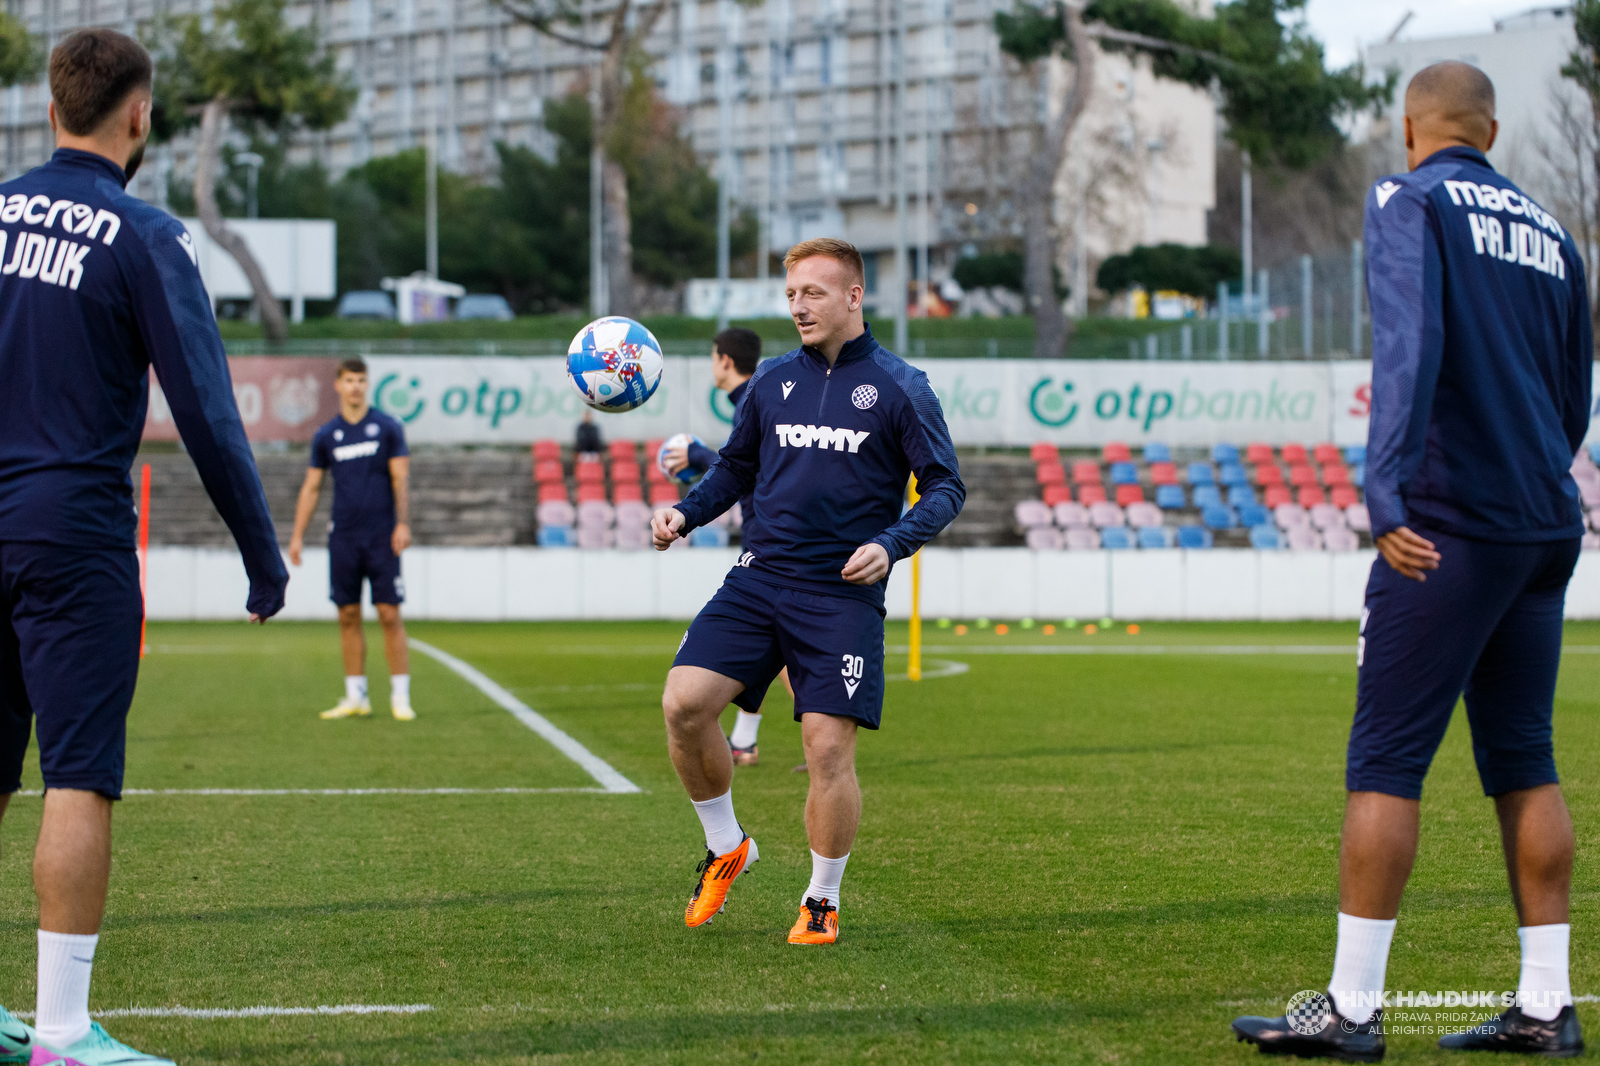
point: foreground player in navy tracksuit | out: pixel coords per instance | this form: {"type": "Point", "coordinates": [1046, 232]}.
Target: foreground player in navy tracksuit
{"type": "Point", "coordinates": [825, 439]}
{"type": "Point", "coordinates": [1481, 368]}
{"type": "Point", "coordinates": [735, 354]}
{"type": "Point", "coordinates": [96, 288]}
{"type": "Point", "coordinates": [366, 450]}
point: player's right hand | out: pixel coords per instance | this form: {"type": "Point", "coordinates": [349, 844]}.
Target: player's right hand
{"type": "Point", "coordinates": [664, 526]}
{"type": "Point", "coordinates": [295, 546]}
{"type": "Point", "coordinates": [1408, 553]}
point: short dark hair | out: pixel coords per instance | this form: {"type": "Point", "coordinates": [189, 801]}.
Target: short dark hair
{"type": "Point", "coordinates": [741, 345]}
{"type": "Point", "coordinates": [93, 71]}
{"type": "Point", "coordinates": [350, 366]}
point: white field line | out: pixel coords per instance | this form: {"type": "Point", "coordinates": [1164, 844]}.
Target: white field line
{"type": "Point", "coordinates": [342, 791]}
{"type": "Point", "coordinates": [933, 668]}
{"type": "Point", "coordinates": [250, 1012]}
{"type": "Point", "coordinates": [603, 772]}
{"type": "Point", "coordinates": [1165, 649]}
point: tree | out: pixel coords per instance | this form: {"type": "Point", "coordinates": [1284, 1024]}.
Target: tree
{"type": "Point", "coordinates": [1583, 68]}
{"type": "Point", "coordinates": [1175, 267]}
{"type": "Point", "coordinates": [246, 66]}
{"type": "Point", "coordinates": [1277, 97]}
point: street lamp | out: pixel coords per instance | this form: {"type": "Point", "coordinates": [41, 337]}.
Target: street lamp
{"type": "Point", "coordinates": [253, 161]}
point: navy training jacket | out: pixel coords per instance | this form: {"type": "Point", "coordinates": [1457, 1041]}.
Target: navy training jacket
{"type": "Point", "coordinates": [96, 286]}
{"type": "Point", "coordinates": [1482, 356]}
{"type": "Point", "coordinates": [826, 453]}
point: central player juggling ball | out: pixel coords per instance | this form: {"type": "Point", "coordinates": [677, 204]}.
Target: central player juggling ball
{"type": "Point", "coordinates": [615, 364]}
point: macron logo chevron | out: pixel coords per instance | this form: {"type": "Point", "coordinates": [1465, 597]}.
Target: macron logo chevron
{"type": "Point", "coordinates": [788, 386]}
{"type": "Point", "coordinates": [850, 687]}
{"type": "Point", "coordinates": [1384, 191]}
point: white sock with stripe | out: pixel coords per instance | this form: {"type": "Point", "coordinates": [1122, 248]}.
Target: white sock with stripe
{"type": "Point", "coordinates": [355, 688]}
{"type": "Point", "coordinates": [65, 962]}
{"type": "Point", "coordinates": [721, 825]}
{"type": "Point", "coordinates": [826, 874]}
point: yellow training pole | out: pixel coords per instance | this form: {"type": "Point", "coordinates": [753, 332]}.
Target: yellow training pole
{"type": "Point", "coordinates": [914, 668]}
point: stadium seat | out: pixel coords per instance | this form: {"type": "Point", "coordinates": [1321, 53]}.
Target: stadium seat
{"type": "Point", "coordinates": [1105, 514]}
{"type": "Point", "coordinates": [546, 449]}
{"type": "Point", "coordinates": [1045, 539]}
{"type": "Point", "coordinates": [1086, 472]}
{"type": "Point", "coordinates": [1050, 474]}
{"type": "Point", "coordinates": [1054, 494]}
{"type": "Point", "coordinates": [548, 472]}
{"type": "Point", "coordinates": [1224, 453]}
{"type": "Point", "coordinates": [1258, 453]}
{"type": "Point", "coordinates": [1201, 474]}
{"type": "Point", "coordinates": [1269, 474]}
{"type": "Point", "coordinates": [1589, 493]}
{"type": "Point", "coordinates": [1303, 474]}
{"type": "Point", "coordinates": [596, 514]}
{"type": "Point", "coordinates": [1294, 454]}
{"type": "Point", "coordinates": [1116, 538]}
{"type": "Point", "coordinates": [1274, 495]}
{"type": "Point", "coordinates": [1207, 496]}
{"type": "Point", "coordinates": [653, 474]}
{"type": "Point", "coordinates": [652, 448]}
{"type": "Point", "coordinates": [555, 513]}
{"type": "Point", "coordinates": [1343, 496]}
{"type": "Point", "coordinates": [633, 538]}
{"type": "Point", "coordinates": [1157, 453]}
{"type": "Point", "coordinates": [1071, 515]}
{"type": "Point", "coordinates": [1594, 453]}
{"type": "Point", "coordinates": [1044, 452]}
{"type": "Point", "coordinates": [663, 496]}
{"type": "Point", "coordinates": [588, 472]}
{"type": "Point", "coordinates": [708, 537]}
{"type": "Point", "coordinates": [1340, 540]}
{"type": "Point", "coordinates": [1089, 495]}
{"type": "Point", "coordinates": [623, 451]}
{"type": "Point", "coordinates": [1326, 516]}
{"type": "Point", "coordinates": [592, 491]}
{"type": "Point", "coordinates": [1253, 514]}
{"type": "Point", "coordinates": [1591, 542]}
{"type": "Point", "coordinates": [1170, 497]}
{"type": "Point", "coordinates": [593, 537]}
{"type": "Point", "coordinates": [1356, 453]}
{"type": "Point", "coordinates": [1290, 515]}
{"type": "Point", "coordinates": [1163, 473]}
{"type": "Point", "coordinates": [1082, 539]}
{"type": "Point", "coordinates": [1327, 453]}
{"type": "Point", "coordinates": [625, 471]}
{"type": "Point", "coordinates": [557, 537]}
{"type": "Point", "coordinates": [1358, 475]}
{"type": "Point", "coordinates": [1335, 474]}
{"type": "Point", "coordinates": [1219, 517]}
{"type": "Point", "coordinates": [1155, 537]}
{"type": "Point", "coordinates": [548, 493]}
{"type": "Point", "coordinates": [1239, 495]}
{"type": "Point", "coordinates": [1357, 517]}
{"type": "Point", "coordinates": [1232, 474]}
{"type": "Point", "coordinates": [1127, 494]}
{"type": "Point", "coordinates": [1311, 495]}
{"type": "Point", "coordinates": [1143, 515]}
{"type": "Point", "coordinates": [1304, 539]}
{"type": "Point", "coordinates": [1031, 514]}
{"type": "Point", "coordinates": [1265, 538]}
{"type": "Point", "coordinates": [1194, 537]}
{"type": "Point", "coordinates": [633, 513]}
{"type": "Point", "coordinates": [1117, 452]}
{"type": "Point", "coordinates": [626, 492]}
{"type": "Point", "coordinates": [722, 520]}
{"type": "Point", "coordinates": [1124, 473]}
{"type": "Point", "coordinates": [736, 517]}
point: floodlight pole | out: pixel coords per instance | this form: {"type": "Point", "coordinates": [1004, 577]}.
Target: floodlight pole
{"type": "Point", "coordinates": [1307, 307]}
{"type": "Point", "coordinates": [432, 152]}
{"type": "Point", "coordinates": [724, 169]}
{"type": "Point", "coordinates": [252, 160]}
{"type": "Point", "coordinates": [1355, 299]}
{"type": "Point", "coordinates": [1246, 237]}
{"type": "Point", "coordinates": [902, 333]}
{"type": "Point", "coordinates": [599, 299]}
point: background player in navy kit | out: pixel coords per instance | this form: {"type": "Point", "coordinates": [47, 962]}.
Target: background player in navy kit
{"type": "Point", "coordinates": [366, 449]}
{"type": "Point", "coordinates": [825, 439]}
{"type": "Point", "coordinates": [104, 288]}
{"type": "Point", "coordinates": [735, 354]}
{"type": "Point", "coordinates": [1482, 359]}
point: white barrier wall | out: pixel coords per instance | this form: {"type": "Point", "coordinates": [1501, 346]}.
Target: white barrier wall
{"type": "Point", "coordinates": [518, 584]}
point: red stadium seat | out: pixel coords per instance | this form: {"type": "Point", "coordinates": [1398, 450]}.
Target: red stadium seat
{"type": "Point", "coordinates": [1127, 494]}
{"type": "Point", "coordinates": [1051, 474]}
{"type": "Point", "coordinates": [1294, 454]}
{"type": "Point", "coordinates": [1054, 494]}
{"type": "Point", "coordinates": [546, 449]}
{"type": "Point", "coordinates": [1302, 474]}
{"type": "Point", "coordinates": [1088, 494]}
{"type": "Point", "coordinates": [590, 472]}
{"type": "Point", "coordinates": [1117, 452]}
{"type": "Point", "coordinates": [1310, 496]}
{"type": "Point", "coordinates": [1344, 496]}
{"type": "Point", "coordinates": [1086, 471]}
{"type": "Point", "coordinates": [1268, 473]}
{"type": "Point", "coordinates": [1044, 452]}
{"type": "Point", "coordinates": [625, 491]}
{"type": "Point", "coordinates": [653, 474]}
{"type": "Point", "coordinates": [623, 451]}
{"type": "Point", "coordinates": [552, 492]}
{"type": "Point", "coordinates": [628, 471]}
{"type": "Point", "coordinates": [1258, 453]}
{"type": "Point", "coordinates": [1335, 474]}
{"type": "Point", "coordinates": [548, 472]}
{"type": "Point", "coordinates": [1274, 495]}
{"type": "Point", "coordinates": [1164, 473]}
{"type": "Point", "coordinates": [663, 496]}
{"type": "Point", "coordinates": [1327, 453]}
{"type": "Point", "coordinates": [591, 490]}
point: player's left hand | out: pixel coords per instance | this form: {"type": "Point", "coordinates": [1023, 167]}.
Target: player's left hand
{"type": "Point", "coordinates": [676, 458]}
{"type": "Point", "coordinates": [868, 566]}
{"type": "Point", "coordinates": [401, 540]}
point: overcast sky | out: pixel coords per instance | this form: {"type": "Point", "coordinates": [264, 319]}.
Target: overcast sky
{"type": "Point", "coordinates": [1344, 25]}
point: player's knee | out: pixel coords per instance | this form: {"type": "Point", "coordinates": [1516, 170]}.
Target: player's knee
{"type": "Point", "coordinates": [350, 615]}
{"type": "Point", "coordinates": [388, 615]}
{"type": "Point", "coordinates": [679, 709]}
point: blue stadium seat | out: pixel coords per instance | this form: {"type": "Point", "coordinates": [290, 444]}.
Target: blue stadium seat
{"type": "Point", "coordinates": [708, 537]}
{"type": "Point", "coordinates": [1170, 497]}
{"type": "Point", "coordinates": [1265, 538]}
{"type": "Point", "coordinates": [1157, 453]}
{"type": "Point", "coordinates": [1253, 514]}
{"type": "Point", "coordinates": [1219, 517]}
{"type": "Point", "coordinates": [1233, 474]}
{"type": "Point", "coordinates": [1155, 537]}
{"type": "Point", "coordinates": [1201, 474]}
{"type": "Point", "coordinates": [1356, 453]}
{"type": "Point", "coordinates": [1239, 495]}
{"type": "Point", "coordinates": [1207, 496]}
{"type": "Point", "coordinates": [1194, 537]}
{"type": "Point", "coordinates": [1224, 453]}
{"type": "Point", "coordinates": [1116, 537]}
{"type": "Point", "coordinates": [1358, 475]}
{"type": "Point", "coordinates": [557, 537]}
{"type": "Point", "coordinates": [1594, 452]}
{"type": "Point", "coordinates": [1124, 474]}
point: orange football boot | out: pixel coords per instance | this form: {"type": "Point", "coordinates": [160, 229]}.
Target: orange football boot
{"type": "Point", "coordinates": [716, 877]}
{"type": "Point", "coordinates": [818, 923]}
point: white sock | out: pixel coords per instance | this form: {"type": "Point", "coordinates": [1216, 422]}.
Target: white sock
{"type": "Point", "coordinates": [722, 828]}
{"type": "Point", "coordinates": [1360, 963]}
{"type": "Point", "coordinates": [355, 687]}
{"type": "Point", "coordinates": [1544, 987]}
{"type": "Point", "coordinates": [65, 962]}
{"type": "Point", "coordinates": [400, 689]}
{"type": "Point", "coordinates": [826, 874]}
{"type": "Point", "coordinates": [744, 729]}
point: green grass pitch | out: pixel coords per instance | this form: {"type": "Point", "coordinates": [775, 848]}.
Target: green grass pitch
{"type": "Point", "coordinates": [1063, 858]}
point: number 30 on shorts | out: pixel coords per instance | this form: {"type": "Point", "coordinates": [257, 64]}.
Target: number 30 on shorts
{"type": "Point", "coordinates": [853, 665]}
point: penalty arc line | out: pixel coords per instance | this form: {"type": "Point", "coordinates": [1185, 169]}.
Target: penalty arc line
{"type": "Point", "coordinates": [603, 772]}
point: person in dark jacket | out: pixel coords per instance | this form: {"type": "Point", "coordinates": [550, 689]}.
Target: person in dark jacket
{"type": "Point", "coordinates": [589, 443]}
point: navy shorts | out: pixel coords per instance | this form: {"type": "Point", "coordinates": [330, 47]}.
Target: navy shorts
{"type": "Point", "coordinates": [69, 657]}
{"type": "Point", "coordinates": [832, 645]}
{"type": "Point", "coordinates": [354, 556]}
{"type": "Point", "coordinates": [1486, 624]}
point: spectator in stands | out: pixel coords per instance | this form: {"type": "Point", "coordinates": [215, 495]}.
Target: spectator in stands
{"type": "Point", "coordinates": [589, 444]}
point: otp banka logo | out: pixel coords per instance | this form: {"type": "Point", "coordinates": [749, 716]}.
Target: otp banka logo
{"type": "Point", "coordinates": [822, 436]}
{"type": "Point", "coordinates": [1052, 404]}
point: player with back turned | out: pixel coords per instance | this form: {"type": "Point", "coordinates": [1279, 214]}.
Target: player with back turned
{"type": "Point", "coordinates": [825, 439]}
{"type": "Point", "coordinates": [103, 287]}
{"type": "Point", "coordinates": [1482, 360]}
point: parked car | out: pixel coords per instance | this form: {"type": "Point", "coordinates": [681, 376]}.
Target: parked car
{"type": "Point", "coordinates": [366, 303]}
{"type": "Point", "coordinates": [484, 305]}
